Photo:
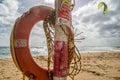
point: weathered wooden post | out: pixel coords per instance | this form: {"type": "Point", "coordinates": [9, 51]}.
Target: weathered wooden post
{"type": "Point", "coordinates": [62, 31]}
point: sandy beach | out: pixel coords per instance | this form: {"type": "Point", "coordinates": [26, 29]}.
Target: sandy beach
{"type": "Point", "coordinates": [95, 66]}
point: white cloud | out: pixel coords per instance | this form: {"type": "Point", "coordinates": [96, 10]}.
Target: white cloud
{"type": "Point", "coordinates": [91, 20]}
{"type": "Point", "coordinates": [3, 9]}
{"type": "Point", "coordinates": [50, 1]}
{"type": "Point", "coordinates": [101, 42]}
{"type": "Point", "coordinates": [98, 29]}
{"type": "Point", "coordinates": [86, 18]}
{"type": "Point", "coordinates": [4, 37]}
{"type": "Point", "coordinates": [37, 35]}
{"type": "Point", "coordinates": [12, 5]}
{"type": "Point", "coordinates": [25, 5]}
{"type": "Point", "coordinates": [8, 12]}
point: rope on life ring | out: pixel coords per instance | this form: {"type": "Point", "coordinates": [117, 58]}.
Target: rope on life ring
{"type": "Point", "coordinates": [74, 57]}
{"type": "Point", "coordinates": [19, 43]}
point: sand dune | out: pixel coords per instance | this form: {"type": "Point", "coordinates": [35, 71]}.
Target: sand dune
{"type": "Point", "coordinates": [95, 66]}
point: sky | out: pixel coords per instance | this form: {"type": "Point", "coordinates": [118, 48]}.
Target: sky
{"type": "Point", "coordinates": [98, 29]}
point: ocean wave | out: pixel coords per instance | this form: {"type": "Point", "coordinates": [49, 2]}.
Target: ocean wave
{"type": "Point", "coordinates": [37, 51]}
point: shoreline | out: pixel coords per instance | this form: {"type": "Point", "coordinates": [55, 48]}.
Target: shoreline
{"type": "Point", "coordinates": [81, 52]}
{"type": "Point", "coordinates": [97, 66]}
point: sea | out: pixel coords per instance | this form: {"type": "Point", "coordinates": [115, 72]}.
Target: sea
{"type": "Point", "coordinates": [37, 51]}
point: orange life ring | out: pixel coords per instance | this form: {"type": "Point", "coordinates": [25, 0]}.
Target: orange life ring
{"type": "Point", "coordinates": [20, 42]}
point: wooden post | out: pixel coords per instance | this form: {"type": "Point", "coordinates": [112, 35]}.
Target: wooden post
{"type": "Point", "coordinates": [62, 31]}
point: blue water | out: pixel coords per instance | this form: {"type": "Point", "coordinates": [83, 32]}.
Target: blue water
{"type": "Point", "coordinates": [36, 51]}
{"type": "Point", "coordinates": [98, 49]}
{"type": "Point", "coordinates": [5, 52]}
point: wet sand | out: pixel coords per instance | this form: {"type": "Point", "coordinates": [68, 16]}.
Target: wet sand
{"type": "Point", "coordinates": [95, 66]}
